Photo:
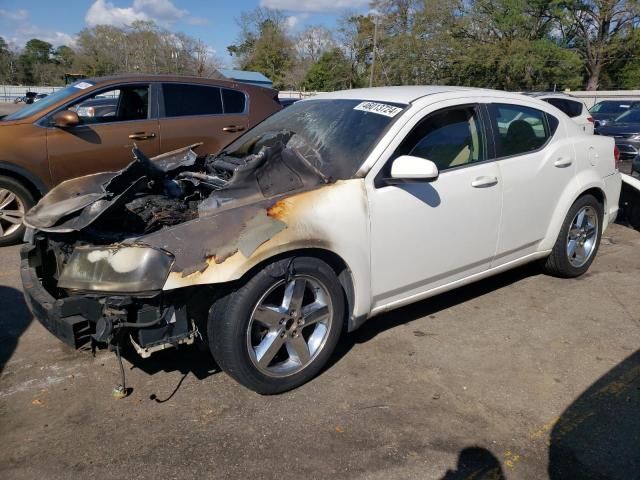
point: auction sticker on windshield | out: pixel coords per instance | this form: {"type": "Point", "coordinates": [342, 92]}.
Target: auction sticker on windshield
{"type": "Point", "coordinates": [379, 108]}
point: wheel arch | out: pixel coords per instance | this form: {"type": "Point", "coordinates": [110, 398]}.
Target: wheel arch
{"type": "Point", "coordinates": [336, 262]}
{"type": "Point", "coordinates": [565, 203]}
{"type": "Point", "coordinates": [36, 187]}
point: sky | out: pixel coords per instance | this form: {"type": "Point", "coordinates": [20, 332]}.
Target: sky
{"type": "Point", "coordinates": [212, 21]}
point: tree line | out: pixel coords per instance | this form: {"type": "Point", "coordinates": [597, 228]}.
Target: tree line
{"type": "Point", "coordinates": [504, 44]}
{"type": "Point", "coordinates": [142, 47]}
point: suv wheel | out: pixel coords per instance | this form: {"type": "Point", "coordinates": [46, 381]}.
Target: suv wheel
{"type": "Point", "coordinates": [278, 330]}
{"type": "Point", "coordinates": [15, 200]}
{"type": "Point", "coordinates": [579, 239]}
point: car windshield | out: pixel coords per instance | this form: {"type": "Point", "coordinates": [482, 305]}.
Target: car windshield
{"type": "Point", "coordinates": [47, 101]}
{"type": "Point", "coordinates": [334, 136]}
{"type": "Point", "coordinates": [610, 107]}
{"type": "Point", "coordinates": [631, 116]}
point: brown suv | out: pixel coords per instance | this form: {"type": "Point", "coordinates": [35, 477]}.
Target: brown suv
{"type": "Point", "coordinates": [91, 125]}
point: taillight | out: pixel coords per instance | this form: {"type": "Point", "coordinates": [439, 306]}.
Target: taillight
{"type": "Point", "coordinates": [616, 155]}
{"type": "Point", "coordinates": [590, 119]}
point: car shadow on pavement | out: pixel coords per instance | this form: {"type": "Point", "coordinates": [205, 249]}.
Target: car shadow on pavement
{"type": "Point", "coordinates": [182, 359]}
{"type": "Point", "coordinates": [14, 320]}
{"type": "Point", "coordinates": [598, 435]}
{"type": "Point", "coordinates": [430, 306]}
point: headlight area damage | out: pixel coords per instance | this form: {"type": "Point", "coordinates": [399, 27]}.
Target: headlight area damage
{"type": "Point", "coordinates": [131, 254]}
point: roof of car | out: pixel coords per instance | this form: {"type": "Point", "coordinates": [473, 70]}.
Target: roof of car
{"type": "Point", "coordinates": [405, 94]}
{"type": "Point", "coordinates": [149, 77]}
{"type": "Point", "coordinates": [550, 94]}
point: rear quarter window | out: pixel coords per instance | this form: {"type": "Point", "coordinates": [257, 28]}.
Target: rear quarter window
{"type": "Point", "coordinates": [233, 100]}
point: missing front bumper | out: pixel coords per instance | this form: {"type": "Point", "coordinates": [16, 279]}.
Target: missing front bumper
{"type": "Point", "coordinates": [153, 321]}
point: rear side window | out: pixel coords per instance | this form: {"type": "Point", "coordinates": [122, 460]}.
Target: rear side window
{"type": "Point", "coordinates": [519, 129]}
{"type": "Point", "coordinates": [181, 100]}
{"type": "Point", "coordinates": [234, 101]}
{"type": "Point", "coordinates": [571, 108]}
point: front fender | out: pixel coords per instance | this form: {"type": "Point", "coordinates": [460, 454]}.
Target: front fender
{"type": "Point", "coordinates": [225, 246]}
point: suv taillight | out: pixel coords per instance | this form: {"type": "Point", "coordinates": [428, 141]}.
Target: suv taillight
{"type": "Point", "coordinates": [616, 156]}
{"type": "Point", "coordinates": [590, 119]}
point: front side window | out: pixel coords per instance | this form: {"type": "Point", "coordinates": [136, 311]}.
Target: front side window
{"type": "Point", "coordinates": [181, 100]}
{"type": "Point", "coordinates": [449, 138]}
{"type": "Point", "coordinates": [519, 129]}
{"type": "Point", "coordinates": [124, 103]}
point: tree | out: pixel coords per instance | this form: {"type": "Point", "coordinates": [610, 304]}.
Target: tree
{"type": "Point", "coordinates": [140, 47]}
{"type": "Point", "coordinates": [264, 45]}
{"type": "Point", "coordinates": [331, 72]}
{"type": "Point", "coordinates": [598, 29]}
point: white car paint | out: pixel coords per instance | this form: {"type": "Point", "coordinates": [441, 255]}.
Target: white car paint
{"type": "Point", "coordinates": [402, 243]}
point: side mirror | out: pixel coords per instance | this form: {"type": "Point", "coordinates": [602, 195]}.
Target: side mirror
{"type": "Point", "coordinates": [407, 168]}
{"type": "Point", "coordinates": [66, 119]}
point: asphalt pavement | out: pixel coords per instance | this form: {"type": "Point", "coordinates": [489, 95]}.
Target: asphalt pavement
{"type": "Point", "coordinates": [521, 376]}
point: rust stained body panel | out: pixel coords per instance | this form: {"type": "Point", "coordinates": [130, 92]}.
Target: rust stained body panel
{"type": "Point", "coordinates": [255, 206]}
{"type": "Point", "coordinates": [299, 221]}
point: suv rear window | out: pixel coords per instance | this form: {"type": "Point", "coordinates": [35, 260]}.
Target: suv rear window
{"type": "Point", "coordinates": [570, 107]}
{"type": "Point", "coordinates": [181, 100]}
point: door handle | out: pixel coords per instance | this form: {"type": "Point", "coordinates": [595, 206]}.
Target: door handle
{"type": "Point", "coordinates": [484, 182]}
{"type": "Point", "coordinates": [142, 135]}
{"type": "Point", "coordinates": [233, 128]}
{"type": "Point", "coordinates": [562, 162]}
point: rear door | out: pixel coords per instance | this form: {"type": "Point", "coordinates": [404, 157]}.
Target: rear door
{"type": "Point", "coordinates": [536, 161]}
{"type": "Point", "coordinates": [191, 113]}
{"type": "Point", "coordinates": [104, 142]}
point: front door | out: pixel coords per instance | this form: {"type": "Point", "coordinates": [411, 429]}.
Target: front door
{"type": "Point", "coordinates": [111, 122]}
{"type": "Point", "coordinates": [426, 235]}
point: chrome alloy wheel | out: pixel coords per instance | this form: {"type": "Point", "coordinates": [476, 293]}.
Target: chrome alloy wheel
{"type": "Point", "coordinates": [11, 212]}
{"type": "Point", "coordinates": [582, 237]}
{"type": "Point", "coordinates": [289, 326]}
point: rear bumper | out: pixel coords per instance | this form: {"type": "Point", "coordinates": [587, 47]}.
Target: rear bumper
{"type": "Point", "coordinates": [70, 319]}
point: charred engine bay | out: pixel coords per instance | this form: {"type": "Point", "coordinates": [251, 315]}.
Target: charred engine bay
{"type": "Point", "coordinates": [150, 194]}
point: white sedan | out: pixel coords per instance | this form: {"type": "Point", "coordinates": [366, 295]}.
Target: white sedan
{"type": "Point", "coordinates": [328, 213]}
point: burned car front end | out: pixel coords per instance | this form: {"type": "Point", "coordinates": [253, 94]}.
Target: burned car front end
{"type": "Point", "coordinates": [140, 255]}
{"type": "Point", "coordinates": [86, 281]}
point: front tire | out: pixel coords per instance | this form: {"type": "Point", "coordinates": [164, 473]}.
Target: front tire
{"type": "Point", "coordinates": [579, 239]}
{"type": "Point", "coordinates": [15, 200]}
{"type": "Point", "coordinates": [278, 330]}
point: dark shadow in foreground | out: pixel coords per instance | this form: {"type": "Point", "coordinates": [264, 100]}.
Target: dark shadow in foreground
{"type": "Point", "coordinates": [476, 463]}
{"type": "Point", "coordinates": [14, 320]}
{"type": "Point", "coordinates": [598, 436]}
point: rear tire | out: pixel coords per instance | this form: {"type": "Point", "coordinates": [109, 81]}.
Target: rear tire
{"type": "Point", "coordinates": [578, 240]}
{"type": "Point", "coordinates": [15, 201]}
{"type": "Point", "coordinates": [278, 330]}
